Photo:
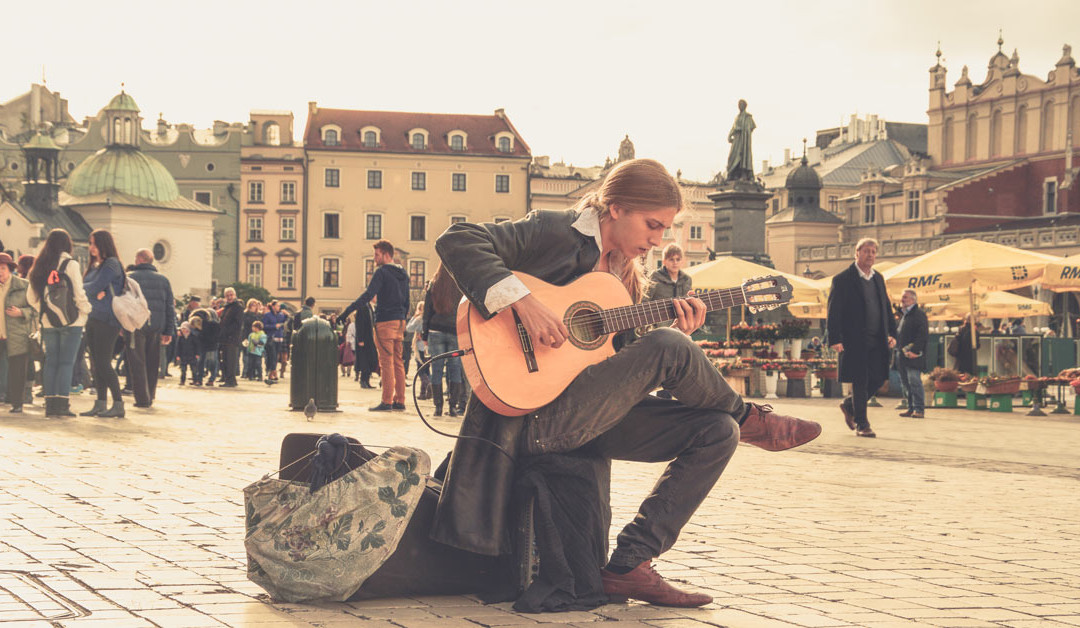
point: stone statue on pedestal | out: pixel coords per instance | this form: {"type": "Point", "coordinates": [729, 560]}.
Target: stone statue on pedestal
{"type": "Point", "coordinates": [740, 163]}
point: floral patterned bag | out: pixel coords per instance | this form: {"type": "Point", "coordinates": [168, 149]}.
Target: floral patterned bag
{"type": "Point", "coordinates": [304, 546]}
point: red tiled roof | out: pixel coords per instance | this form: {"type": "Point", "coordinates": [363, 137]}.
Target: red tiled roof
{"type": "Point", "coordinates": [394, 127]}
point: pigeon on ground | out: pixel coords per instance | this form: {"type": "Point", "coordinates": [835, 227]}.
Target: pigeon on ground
{"type": "Point", "coordinates": [310, 409]}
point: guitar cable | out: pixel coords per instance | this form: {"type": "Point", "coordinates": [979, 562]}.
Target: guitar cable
{"type": "Point", "coordinates": [416, 402]}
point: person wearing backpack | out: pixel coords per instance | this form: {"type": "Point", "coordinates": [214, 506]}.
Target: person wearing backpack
{"type": "Point", "coordinates": [104, 279]}
{"type": "Point", "coordinates": [143, 359]}
{"type": "Point", "coordinates": [56, 291]}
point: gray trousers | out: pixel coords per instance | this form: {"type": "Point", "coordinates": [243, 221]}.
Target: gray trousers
{"type": "Point", "coordinates": [607, 411]}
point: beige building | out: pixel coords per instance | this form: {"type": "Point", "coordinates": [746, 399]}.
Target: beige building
{"type": "Point", "coordinates": [271, 206]}
{"type": "Point", "coordinates": [403, 177]}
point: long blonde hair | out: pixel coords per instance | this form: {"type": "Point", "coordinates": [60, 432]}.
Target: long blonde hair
{"type": "Point", "coordinates": [634, 185]}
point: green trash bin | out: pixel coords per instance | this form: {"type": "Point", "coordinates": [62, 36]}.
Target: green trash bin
{"type": "Point", "coordinates": [314, 366]}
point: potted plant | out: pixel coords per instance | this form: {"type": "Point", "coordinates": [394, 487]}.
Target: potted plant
{"type": "Point", "coordinates": [795, 369]}
{"type": "Point", "coordinates": [945, 380]}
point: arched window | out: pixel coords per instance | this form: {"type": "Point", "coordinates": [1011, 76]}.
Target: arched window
{"type": "Point", "coordinates": [504, 144]}
{"type": "Point", "coordinates": [272, 134]}
{"type": "Point", "coordinates": [995, 133]}
{"type": "Point", "coordinates": [370, 139]}
{"type": "Point", "coordinates": [117, 130]}
{"type": "Point", "coordinates": [1046, 137]}
{"type": "Point", "coordinates": [1021, 130]}
{"type": "Point", "coordinates": [972, 137]}
{"type": "Point", "coordinates": [418, 141]}
{"type": "Point", "coordinates": [947, 141]}
{"type": "Point", "coordinates": [129, 134]}
{"type": "Point", "coordinates": [330, 137]}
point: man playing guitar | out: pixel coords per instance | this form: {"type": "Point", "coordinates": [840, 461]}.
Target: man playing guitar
{"type": "Point", "coordinates": [607, 407]}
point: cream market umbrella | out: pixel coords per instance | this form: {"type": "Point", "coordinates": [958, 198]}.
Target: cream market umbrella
{"type": "Point", "coordinates": [989, 305]}
{"type": "Point", "coordinates": [818, 308]}
{"type": "Point", "coordinates": [1063, 275]}
{"type": "Point", "coordinates": [729, 272]}
{"type": "Point", "coordinates": [967, 266]}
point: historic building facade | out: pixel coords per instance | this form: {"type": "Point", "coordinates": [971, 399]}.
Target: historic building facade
{"type": "Point", "coordinates": [204, 163]}
{"type": "Point", "coordinates": [404, 177]}
{"type": "Point", "coordinates": [272, 206]}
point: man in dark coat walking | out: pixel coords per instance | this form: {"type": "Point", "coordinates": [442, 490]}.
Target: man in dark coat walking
{"type": "Point", "coordinates": [913, 332]}
{"type": "Point", "coordinates": [862, 330]}
{"type": "Point", "coordinates": [143, 353]}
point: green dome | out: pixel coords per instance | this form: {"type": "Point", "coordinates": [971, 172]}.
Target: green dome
{"type": "Point", "coordinates": [122, 169]}
{"type": "Point", "coordinates": [122, 102]}
{"type": "Point", "coordinates": [41, 141]}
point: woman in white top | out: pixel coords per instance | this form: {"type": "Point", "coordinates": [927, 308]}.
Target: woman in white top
{"type": "Point", "coordinates": [61, 340]}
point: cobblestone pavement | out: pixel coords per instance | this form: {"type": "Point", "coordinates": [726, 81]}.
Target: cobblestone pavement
{"type": "Point", "coordinates": [961, 519]}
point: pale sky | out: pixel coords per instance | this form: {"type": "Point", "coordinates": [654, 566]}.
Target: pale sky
{"type": "Point", "coordinates": [574, 77]}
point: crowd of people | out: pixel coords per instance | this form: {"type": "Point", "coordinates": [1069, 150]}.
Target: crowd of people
{"type": "Point", "coordinates": [60, 332]}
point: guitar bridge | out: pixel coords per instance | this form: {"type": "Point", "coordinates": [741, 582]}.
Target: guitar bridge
{"type": "Point", "coordinates": [526, 345]}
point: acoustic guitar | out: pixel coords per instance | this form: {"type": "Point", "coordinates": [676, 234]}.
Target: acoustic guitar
{"type": "Point", "coordinates": [513, 376]}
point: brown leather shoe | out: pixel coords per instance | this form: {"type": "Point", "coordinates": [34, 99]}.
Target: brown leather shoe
{"type": "Point", "coordinates": [906, 413]}
{"type": "Point", "coordinates": [775, 432]}
{"type": "Point", "coordinates": [643, 583]}
{"type": "Point", "coordinates": [849, 416]}
{"type": "Point", "coordinates": [865, 431]}
{"type": "Point", "coordinates": [918, 415]}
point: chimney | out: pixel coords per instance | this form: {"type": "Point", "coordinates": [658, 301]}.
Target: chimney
{"type": "Point", "coordinates": [764, 165]}
{"type": "Point", "coordinates": [162, 126]}
{"type": "Point", "coordinates": [220, 127]}
{"type": "Point", "coordinates": [787, 156]}
{"type": "Point", "coordinates": [500, 113]}
{"type": "Point", "coordinates": [312, 107]}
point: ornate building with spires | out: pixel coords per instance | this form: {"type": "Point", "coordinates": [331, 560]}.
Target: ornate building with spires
{"type": "Point", "coordinates": [998, 166]}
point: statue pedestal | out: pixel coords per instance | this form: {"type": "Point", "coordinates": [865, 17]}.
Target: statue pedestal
{"type": "Point", "coordinates": [739, 209]}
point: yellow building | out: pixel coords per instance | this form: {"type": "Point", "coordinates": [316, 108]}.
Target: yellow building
{"type": "Point", "coordinates": [403, 177]}
{"type": "Point", "coordinates": [271, 206]}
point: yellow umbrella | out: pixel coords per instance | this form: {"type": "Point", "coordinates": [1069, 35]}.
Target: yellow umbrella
{"type": "Point", "coordinates": [1063, 275]}
{"type": "Point", "coordinates": [968, 266]}
{"type": "Point", "coordinates": [990, 305]}
{"type": "Point", "coordinates": [729, 272]}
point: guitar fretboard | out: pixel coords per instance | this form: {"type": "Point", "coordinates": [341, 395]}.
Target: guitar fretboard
{"type": "Point", "coordinates": [652, 312]}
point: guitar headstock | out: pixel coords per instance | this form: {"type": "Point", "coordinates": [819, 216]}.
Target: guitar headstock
{"type": "Point", "coordinates": [766, 293]}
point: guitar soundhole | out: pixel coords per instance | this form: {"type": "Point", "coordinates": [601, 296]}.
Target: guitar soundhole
{"type": "Point", "coordinates": [585, 325]}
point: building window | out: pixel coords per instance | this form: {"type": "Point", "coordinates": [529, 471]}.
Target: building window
{"type": "Point", "coordinates": [370, 139]}
{"type": "Point", "coordinates": [776, 205]}
{"type": "Point", "coordinates": [667, 234]}
{"type": "Point", "coordinates": [695, 232]}
{"type": "Point", "coordinates": [418, 141]}
{"type": "Point", "coordinates": [834, 204]}
{"type": "Point", "coordinates": [374, 179]}
{"type": "Point", "coordinates": [330, 272]}
{"type": "Point", "coordinates": [457, 142]}
{"type": "Point", "coordinates": [255, 192]}
{"type": "Point", "coordinates": [330, 137]}
{"type": "Point", "coordinates": [417, 227]}
{"type": "Point", "coordinates": [288, 191]}
{"type": "Point", "coordinates": [203, 197]}
{"type": "Point", "coordinates": [272, 134]}
{"type": "Point", "coordinates": [1050, 196]}
{"type": "Point", "coordinates": [331, 226]}
{"type": "Point", "coordinates": [373, 227]}
{"type": "Point", "coordinates": [504, 144]}
{"type": "Point", "coordinates": [458, 182]}
{"type": "Point", "coordinates": [416, 274]}
{"type": "Point", "coordinates": [870, 209]}
{"type": "Point", "coordinates": [288, 228]}
{"type": "Point", "coordinates": [456, 219]}
{"type": "Point", "coordinates": [255, 229]}
{"type": "Point", "coordinates": [419, 180]}
{"type": "Point", "coordinates": [287, 276]}
{"type": "Point", "coordinates": [333, 178]}
{"type": "Point", "coordinates": [502, 183]}
{"type": "Point", "coordinates": [914, 200]}
{"type": "Point", "coordinates": [369, 270]}
{"type": "Point", "coordinates": [254, 273]}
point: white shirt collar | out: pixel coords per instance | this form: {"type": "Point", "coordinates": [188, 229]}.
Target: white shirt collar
{"type": "Point", "coordinates": [588, 223]}
{"type": "Point", "coordinates": [867, 276]}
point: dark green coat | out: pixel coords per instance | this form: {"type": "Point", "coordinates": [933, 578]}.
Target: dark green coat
{"type": "Point", "coordinates": [18, 328]}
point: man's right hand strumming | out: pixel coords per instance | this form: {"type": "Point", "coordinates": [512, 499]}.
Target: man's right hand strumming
{"type": "Point", "coordinates": [544, 327]}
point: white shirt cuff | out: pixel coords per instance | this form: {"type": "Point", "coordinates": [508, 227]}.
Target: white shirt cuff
{"type": "Point", "coordinates": [505, 292]}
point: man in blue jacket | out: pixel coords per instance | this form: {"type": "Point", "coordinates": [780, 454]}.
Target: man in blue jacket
{"type": "Point", "coordinates": [144, 354]}
{"type": "Point", "coordinates": [390, 284]}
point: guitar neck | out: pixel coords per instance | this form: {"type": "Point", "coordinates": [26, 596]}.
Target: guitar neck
{"type": "Point", "coordinates": [662, 310]}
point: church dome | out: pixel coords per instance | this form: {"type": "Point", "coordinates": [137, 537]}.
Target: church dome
{"type": "Point", "coordinates": [122, 169]}
{"type": "Point", "coordinates": [122, 102]}
{"type": "Point", "coordinates": [803, 177]}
